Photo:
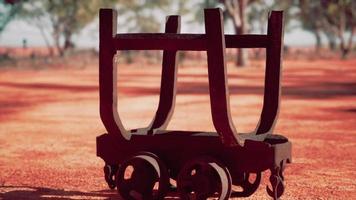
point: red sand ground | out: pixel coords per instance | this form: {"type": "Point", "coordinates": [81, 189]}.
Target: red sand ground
{"type": "Point", "coordinates": [49, 121]}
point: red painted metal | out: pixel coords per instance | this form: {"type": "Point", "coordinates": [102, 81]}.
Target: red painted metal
{"type": "Point", "coordinates": [232, 156]}
{"type": "Point", "coordinates": [168, 81]}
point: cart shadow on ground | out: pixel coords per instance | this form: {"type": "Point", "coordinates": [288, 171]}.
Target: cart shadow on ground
{"type": "Point", "coordinates": [29, 192]}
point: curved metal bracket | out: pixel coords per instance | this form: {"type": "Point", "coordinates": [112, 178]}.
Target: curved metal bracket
{"type": "Point", "coordinates": [108, 75]}
{"type": "Point", "coordinates": [214, 43]}
{"type": "Point", "coordinates": [273, 74]}
{"type": "Point", "coordinates": [108, 78]}
{"type": "Point", "coordinates": [218, 86]}
{"type": "Point", "coordinates": [168, 90]}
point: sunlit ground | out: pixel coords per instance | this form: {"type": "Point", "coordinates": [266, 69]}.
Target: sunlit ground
{"type": "Point", "coordinates": [50, 118]}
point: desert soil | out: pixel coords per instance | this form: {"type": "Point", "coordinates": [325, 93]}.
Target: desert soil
{"type": "Point", "coordinates": [49, 121]}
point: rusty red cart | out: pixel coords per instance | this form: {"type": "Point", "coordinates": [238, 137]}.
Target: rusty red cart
{"type": "Point", "coordinates": [203, 164]}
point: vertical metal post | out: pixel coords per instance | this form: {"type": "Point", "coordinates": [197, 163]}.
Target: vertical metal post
{"type": "Point", "coordinates": [168, 81]}
{"type": "Point", "coordinates": [272, 89]}
{"type": "Point", "coordinates": [218, 87]}
{"type": "Point", "coordinates": [107, 74]}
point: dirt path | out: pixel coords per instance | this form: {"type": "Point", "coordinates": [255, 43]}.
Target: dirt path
{"type": "Point", "coordinates": [49, 120]}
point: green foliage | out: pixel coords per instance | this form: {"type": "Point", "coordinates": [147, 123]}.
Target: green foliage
{"type": "Point", "coordinates": [204, 4]}
{"type": "Point", "coordinates": [257, 16]}
{"type": "Point", "coordinates": [141, 14]}
{"type": "Point", "coordinates": [331, 17]}
{"type": "Point", "coordinates": [341, 18]}
{"type": "Point", "coordinates": [69, 17]}
{"type": "Point", "coordinates": [8, 11]}
{"type": "Point", "coordinates": [66, 17]}
{"type": "Point", "coordinates": [62, 19]}
{"type": "Point", "coordinates": [340, 12]}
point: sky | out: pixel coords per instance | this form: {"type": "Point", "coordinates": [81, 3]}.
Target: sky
{"type": "Point", "coordinates": [18, 30]}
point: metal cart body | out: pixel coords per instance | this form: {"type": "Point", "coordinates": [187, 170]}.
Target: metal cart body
{"type": "Point", "coordinates": [157, 152]}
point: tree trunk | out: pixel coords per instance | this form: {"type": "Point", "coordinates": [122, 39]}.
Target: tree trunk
{"type": "Point", "coordinates": [331, 41]}
{"type": "Point", "coordinates": [241, 57]}
{"type": "Point", "coordinates": [318, 41]}
{"type": "Point", "coordinates": [68, 43]}
{"type": "Point", "coordinates": [57, 43]}
{"type": "Point", "coordinates": [347, 50]}
{"type": "Point", "coordinates": [49, 47]}
{"type": "Point", "coordinates": [344, 53]}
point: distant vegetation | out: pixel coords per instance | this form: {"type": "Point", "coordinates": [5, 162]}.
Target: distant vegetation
{"type": "Point", "coordinates": [59, 20]}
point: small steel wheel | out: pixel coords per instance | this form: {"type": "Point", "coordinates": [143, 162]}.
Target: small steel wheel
{"type": "Point", "coordinates": [276, 179]}
{"type": "Point", "coordinates": [142, 177]}
{"type": "Point", "coordinates": [248, 188]}
{"type": "Point", "coordinates": [277, 187]}
{"type": "Point", "coordinates": [202, 178]}
{"type": "Point", "coordinates": [110, 172]}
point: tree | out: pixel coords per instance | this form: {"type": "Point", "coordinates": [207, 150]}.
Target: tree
{"type": "Point", "coordinates": [341, 19]}
{"type": "Point", "coordinates": [242, 12]}
{"type": "Point", "coordinates": [8, 10]}
{"type": "Point", "coordinates": [66, 18]}
{"type": "Point", "coordinates": [140, 16]}
{"type": "Point", "coordinates": [202, 5]}
{"type": "Point", "coordinates": [333, 18]}
{"type": "Point", "coordinates": [257, 19]}
{"type": "Point", "coordinates": [311, 17]}
{"type": "Point", "coordinates": [237, 11]}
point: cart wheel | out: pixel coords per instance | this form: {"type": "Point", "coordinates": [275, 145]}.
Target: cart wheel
{"type": "Point", "coordinates": [137, 177]}
{"type": "Point", "coordinates": [277, 187]}
{"type": "Point", "coordinates": [109, 173]}
{"type": "Point", "coordinates": [203, 178]}
{"type": "Point", "coordinates": [277, 184]}
{"type": "Point", "coordinates": [248, 188]}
